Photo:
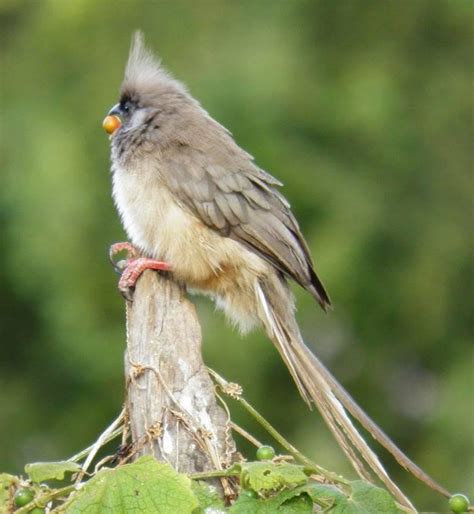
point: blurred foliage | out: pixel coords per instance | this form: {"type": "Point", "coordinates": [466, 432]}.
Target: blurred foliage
{"type": "Point", "coordinates": [362, 108]}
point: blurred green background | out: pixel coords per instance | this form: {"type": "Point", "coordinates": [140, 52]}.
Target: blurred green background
{"type": "Point", "coordinates": [362, 108]}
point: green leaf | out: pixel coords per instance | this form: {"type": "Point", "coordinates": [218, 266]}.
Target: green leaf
{"type": "Point", "coordinates": [364, 498]}
{"type": "Point", "coordinates": [41, 471]}
{"type": "Point", "coordinates": [325, 495]}
{"type": "Point", "coordinates": [247, 505]}
{"type": "Point", "coordinates": [146, 486]}
{"type": "Point", "coordinates": [298, 505]}
{"type": "Point", "coordinates": [7, 484]}
{"type": "Point", "coordinates": [208, 497]}
{"type": "Point", "coordinates": [267, 476]}
{"type": "Point", "coordinates": [294, 501]}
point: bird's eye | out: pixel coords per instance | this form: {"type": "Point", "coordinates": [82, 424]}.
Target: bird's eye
{"type": "Point", "coordinates": [126, 106]}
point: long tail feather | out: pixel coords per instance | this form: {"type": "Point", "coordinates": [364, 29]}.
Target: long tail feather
{"type": "Point", "coordinates": [375, 431]}
{"type": "Point", "coordinates": [316, 384]}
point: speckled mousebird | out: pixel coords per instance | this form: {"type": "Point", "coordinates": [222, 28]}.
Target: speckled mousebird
{"type": "Point", "coordinates": [192, 201]}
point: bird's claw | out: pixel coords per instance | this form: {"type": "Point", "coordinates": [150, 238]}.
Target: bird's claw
{"type": "Point", "coordinates": [132, 267]}
{"type": "Point", "coordinates": [132, 253]}
{"type": "Point", "coordinates": [132, 272]}
{"type": "Point", "coordinates": [126, 292]}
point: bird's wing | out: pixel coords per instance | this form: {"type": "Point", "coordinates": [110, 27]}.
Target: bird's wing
{"type": "Point", "coordinates": [234, 197]}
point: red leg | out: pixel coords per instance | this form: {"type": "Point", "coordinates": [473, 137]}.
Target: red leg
{"type": "Point", "coordinates": [135, 267]}
{"type": "Point", "coordinates": [131, 268]}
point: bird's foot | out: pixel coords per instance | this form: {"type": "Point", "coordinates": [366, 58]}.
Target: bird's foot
{"type": "Point", "coordinates": [133, 270]}
{"type": "Point", "coordinates": [132, 267]}
{"type": "Point", "coordinates": [132, 253]}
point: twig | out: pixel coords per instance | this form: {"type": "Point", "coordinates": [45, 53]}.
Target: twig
{"type": "Point", "coordinates": [245, 434]}
{"type": "Point", "coordinates": [80, 455]}
{"type": "Point", "coordinates": [98, 444]}
{"type": "Point", "coordinates": [235, 392]}
{"type": "Point", "coordinates": [216, 473]}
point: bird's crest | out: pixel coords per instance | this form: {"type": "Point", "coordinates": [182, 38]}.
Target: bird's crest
{"type": "Point", "coordinates": [144, 73]}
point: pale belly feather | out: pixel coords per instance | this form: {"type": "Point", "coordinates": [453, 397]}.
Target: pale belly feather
{"type": "Point", "coordinates": [199, 256]}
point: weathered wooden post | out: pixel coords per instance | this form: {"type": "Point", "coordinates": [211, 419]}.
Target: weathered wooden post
{"type": "Point", "coordinates": [171, 402]}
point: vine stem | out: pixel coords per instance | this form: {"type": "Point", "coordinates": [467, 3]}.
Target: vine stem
{"type": "Point", "coordinates": [217, 473]}
{"type": "Point", "coordinates": [245, 434]}
{"type": "Point", "coordinates": [99, 443]}
{"type": "Point", "coordinates": [80, 455]}
{"type": "Point", "coordinates": [235, 392]}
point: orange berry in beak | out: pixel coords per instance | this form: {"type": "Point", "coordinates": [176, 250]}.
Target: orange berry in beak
{"type": "Point", "coordinates": [111, 124]}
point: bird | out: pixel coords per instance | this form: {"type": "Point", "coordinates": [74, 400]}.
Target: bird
{"type": "Point", "coordinates": [194, 203]}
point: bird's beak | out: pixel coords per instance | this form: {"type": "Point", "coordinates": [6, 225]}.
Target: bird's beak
{"type": "Point", "coordinates": [115, 111]}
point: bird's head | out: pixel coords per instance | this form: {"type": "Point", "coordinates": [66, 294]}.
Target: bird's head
{"type": "Point", "coordinates": [148, 92]}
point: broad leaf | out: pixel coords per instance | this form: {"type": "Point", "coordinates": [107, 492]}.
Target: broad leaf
{"type": "Point", "coordinates": [41, 471]}
{"type": "Point", "coordinates": [7, 483]}
{"type": "Point", "coordinates": [208, 497]}
{"type": "Point", "coordinates": [286, 502]}
{"type": "Point", "coordinates": [267, 476]}
{"type": "Point", "coordinates": [325, 495]}
{"type": "Point", "coordinates": [146, 486]}
{"type": "Point", "coordinates": [364, 498]}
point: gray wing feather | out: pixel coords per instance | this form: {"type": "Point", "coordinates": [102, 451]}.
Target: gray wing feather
{"type": "Point", "coordinates": [239, 200]}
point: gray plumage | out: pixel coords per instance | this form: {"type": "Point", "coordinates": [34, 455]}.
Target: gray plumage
{"type": "Point", "coordinates": [189, 195]}
{"type": "Point", "coordinates": [209, 174]}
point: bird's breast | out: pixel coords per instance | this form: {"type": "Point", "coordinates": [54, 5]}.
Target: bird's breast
{"type": "Point", "coordinates": [150, 215]}
{"type": "Point", "coordinates": [199, 256]}
{"type": "Point", "coordinates": [163, 229]}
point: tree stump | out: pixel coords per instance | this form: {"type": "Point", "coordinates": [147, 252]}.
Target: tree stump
{"type": "Point", "coordinates": [171, 401]}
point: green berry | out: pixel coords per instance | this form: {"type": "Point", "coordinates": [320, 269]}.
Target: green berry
{"type": "Point", "coordinates": [37, 510]}
{"type": "Point", "coordinates": [265, 453]}
{"type": "Point", "coordinates": [23, 496]}
{"type": "Point", "coordinates": [459, 503]}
